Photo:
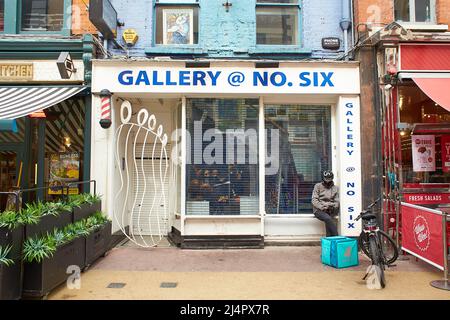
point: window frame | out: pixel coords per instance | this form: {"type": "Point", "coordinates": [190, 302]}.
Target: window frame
{"type": "Point", "coordinates": [194, 4]}
{"type": "Point", "coordinates": [412, 13]}
{"type": "Point", "coordinates": [66, 22]}
{"type": "Point", "coordinates": [299, 30]}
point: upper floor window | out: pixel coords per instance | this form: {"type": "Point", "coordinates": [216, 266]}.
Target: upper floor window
{"type": "Point", "coordinates": [2, 15]}
{"type": "Point", "coordinates": [415, 10]}
{"type": "Point", "coordinates": [277, 22]}
{"type": "Point", "coordinates": [176, 22]}
{"type": "Point", "coordinates": [42, 15]}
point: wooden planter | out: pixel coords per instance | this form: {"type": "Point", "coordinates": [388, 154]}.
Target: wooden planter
{"type": "Point", "coordinates": [41, 278]}
{"type": "Point", "coordinates": [48, 223]}
{"type": "Point", "coordinates": [98, 243]}
{"type": "Point", "coordinates": [11, 277]}
{"type": "Point", "coordinates": [86, 210]}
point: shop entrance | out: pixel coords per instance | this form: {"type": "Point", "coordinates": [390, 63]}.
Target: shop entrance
{"type": "Point", "coordinates": [303, 133]}
{"type": "Point", "coordinates": [9, 174]}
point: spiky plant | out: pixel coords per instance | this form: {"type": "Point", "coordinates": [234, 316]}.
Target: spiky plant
{"type": "Point", "coordinates": [9, 219]}
{"type": "Point", "coordinates": [4, 252]}
{"type": "Point", "coordinates": [37, 249]}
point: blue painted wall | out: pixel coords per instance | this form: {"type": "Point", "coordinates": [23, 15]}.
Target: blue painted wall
{"type": "Point", "coordinates": [233, 34]}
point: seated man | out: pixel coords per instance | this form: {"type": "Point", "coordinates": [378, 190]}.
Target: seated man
{"type": "Point", "coordinates": [325, 201]}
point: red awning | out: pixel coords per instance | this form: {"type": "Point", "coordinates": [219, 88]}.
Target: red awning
{"type": "Point", "coordinates": [437, 89]}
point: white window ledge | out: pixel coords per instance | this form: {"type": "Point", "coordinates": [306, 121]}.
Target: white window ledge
{"type": "Point", "coordinates": [424, 26]}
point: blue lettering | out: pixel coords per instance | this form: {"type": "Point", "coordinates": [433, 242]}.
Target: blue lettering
{"type": "Point", "coordinates": [126, 81]}
{"type": "Point", "coordinates": [349, 120]}
{"type": "Point", "coordinates": [349, 129]}
{"type": "Point", "coordinates": [351, 193]}
{"type": "Point", "coordinates": [349, 113]}
{"type": "Point", "coordinates": [349, 105]}
{"type": "Point", "coordinates": [304, 76]}
{"type": "Point", "coordinates": [264, 80]}
{"type": "Point", "coordinates": [155, 79]}
{"type": "Point", "coordinates": [168, 81]}
{"type": "Point", "coordinates": [351, 209]}
{"type": "Point", "coordinates": [184, 78]}
{"type": "Point", "coordinates": [273, 79]}
{"type": "Point", "coordinates": [350, 152]}
{"type": "Point", "coordinates": [350, 184]}
{"type": "Point", "coordinates": [316, 79]}
{"type": "Point", "coordinates": [350, 137]}
{"type": "Point", "coordinates": [214, 77]}
{"type": "Point", "coordinates": [199, 76]}
{"type": "Point", "coordinates": [351, 225]}
{"type": "Point", "coordinates": [327, 79]}
{"type": "Point", "coordinates": [142, 77]}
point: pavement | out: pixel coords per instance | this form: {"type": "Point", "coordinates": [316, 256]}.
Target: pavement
{"type": "Point", "coordinates": [273, 273]}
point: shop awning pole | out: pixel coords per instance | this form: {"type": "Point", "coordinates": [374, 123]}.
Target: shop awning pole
{"type": "Point", "coordinates": [445, 283]}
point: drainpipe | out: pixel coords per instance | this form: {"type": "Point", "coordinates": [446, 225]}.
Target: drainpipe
{"type": "Point", "coordinates": [345, 24]}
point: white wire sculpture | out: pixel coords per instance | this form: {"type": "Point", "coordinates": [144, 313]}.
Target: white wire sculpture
{"type": "Point", "coordinates": [145, 126]}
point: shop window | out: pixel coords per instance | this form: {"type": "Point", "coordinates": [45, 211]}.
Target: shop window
{"type": "Point", "coordinates": [2, 15]}
{"type": "Point", "coordinates": [176, 22]}
{"type": "Point", "coordinates": [43, 15]}
{"type": "Point", "coordinates": [277, 22]}
{"type": "Point", "coordinates": [64, 145]}
{"type": "Point", "coordinates": [222, 166]}
{"type": "Point", "coordinates": [418, 11]}
{"type": "Point", "coordinates": [304, 139]}
{"type": "Point", "coordinates": [425, 137]}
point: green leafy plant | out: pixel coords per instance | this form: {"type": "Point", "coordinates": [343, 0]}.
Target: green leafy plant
{"type": "Point", "coordinates": [4, 252]}
{"type": "Point", "coordinates": [37, 249]}
{"type": "Point", "coordinates": [77, 200]}
{"type": "Point", "coordinates": [96, 221]}
{"type": "Point", "coordinates": [9, 219]}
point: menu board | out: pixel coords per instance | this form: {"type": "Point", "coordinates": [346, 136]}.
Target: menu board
{"type": "Point", "coordinates": [64, 169]}
{"type": "Point", "coordinates": [445, 151]}
{"type": "Point", "coordinates": [423, 153]}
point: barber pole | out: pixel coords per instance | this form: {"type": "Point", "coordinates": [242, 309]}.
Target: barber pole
{"type": "Point", "coordinates": [105, 118]}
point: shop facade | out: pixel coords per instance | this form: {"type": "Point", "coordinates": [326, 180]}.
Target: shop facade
{"type": "Point", "coordinates": [44, 134]}
{"type": "Point", "coordinates": [225, 152]}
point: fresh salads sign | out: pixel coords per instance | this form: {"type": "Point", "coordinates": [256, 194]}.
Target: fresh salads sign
{"type": "Point", "coordinates": [227, 80]}
{"type": "Point", "coordinates": [64, 169]}
{"type": "Point", "coordinates": [423, 148]}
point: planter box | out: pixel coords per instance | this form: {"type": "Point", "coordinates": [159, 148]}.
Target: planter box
{"type": "Point", "coordinates": [98, 243]}
{"type": "Point", "coordinates": [41, 278]}
{"type": "Point", "coordinates": [86, 210]}
{"type": "Point", "coordinates": [48, 223]}
{"type": "Point", "coordinates": [11, 277]}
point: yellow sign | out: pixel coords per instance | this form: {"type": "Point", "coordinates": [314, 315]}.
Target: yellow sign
{"type": "Point", "coordinates": [130, 37]}
{"type": "Point", "coordinates": [14, 72]}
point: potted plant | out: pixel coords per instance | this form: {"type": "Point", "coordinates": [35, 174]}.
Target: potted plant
{"type": "Point", "coordinates": [84, 205]}
{"type": "Point", "coordinates": [11, 240]}
{"type": "Point", "coordinates": [99, 239]}
{"type": "Point", "coordinates": [50, 215]}
{"type": "Point", "coordinates": [47, 258]}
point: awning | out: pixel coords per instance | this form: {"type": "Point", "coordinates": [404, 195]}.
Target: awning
{"type": "Point", "coordinates": [16, 102]}
{"type": "Point", "coordinates": [437, 89]}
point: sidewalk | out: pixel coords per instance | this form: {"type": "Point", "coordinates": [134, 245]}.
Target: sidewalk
{"type": "Point", "coordinates": [271, 273]}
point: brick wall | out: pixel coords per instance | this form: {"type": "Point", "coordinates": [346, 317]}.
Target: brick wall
{"type": "Point", "coordinates": [80, 18]}
{"type": "Point", "coordinates": [443, 11]}
{"type": "Point", "coordinates": [378, 12]}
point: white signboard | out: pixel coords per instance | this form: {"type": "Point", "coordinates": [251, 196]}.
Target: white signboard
{"type": "Point", "coordinates": [350, 190]}
{"type": "Point", "coordinates": [423, 153]}
{"type": "Point", "coordinates": [138, 78]}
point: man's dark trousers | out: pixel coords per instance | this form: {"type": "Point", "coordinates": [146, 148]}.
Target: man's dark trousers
{"type": "Point", "coordinates": [330, 223]}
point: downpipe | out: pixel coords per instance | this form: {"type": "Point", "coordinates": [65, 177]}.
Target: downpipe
{"type": "Point", "coordinates": [345, 25]}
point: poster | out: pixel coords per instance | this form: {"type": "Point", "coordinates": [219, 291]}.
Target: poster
{"type": "Point", "coordinates": [178, 26]}
{"type": "Point", "coordinates": [424, 155]}
{"type": "Point", "coordinates": [64, 169]}
{"type": "Point", "coordinates": [422, 234]}
{"type": "Point", "coordinates": [445, 151]}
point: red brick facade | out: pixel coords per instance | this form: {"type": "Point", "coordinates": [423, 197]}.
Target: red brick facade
{"type": "Point", "coordinates": [80, 18]}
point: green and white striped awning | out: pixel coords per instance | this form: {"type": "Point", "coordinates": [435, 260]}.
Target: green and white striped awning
{"type": "Point", "coordinates": [20, 101]}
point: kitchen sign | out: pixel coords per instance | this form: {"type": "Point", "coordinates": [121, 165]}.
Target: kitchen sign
{"type": "Point", "coordinates": [16, 71]}
{"type": "Point", "coordinates": [424, 154]}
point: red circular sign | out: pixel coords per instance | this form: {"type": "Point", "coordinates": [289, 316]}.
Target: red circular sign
{"type": "Point", "coordinates": [421, 233]}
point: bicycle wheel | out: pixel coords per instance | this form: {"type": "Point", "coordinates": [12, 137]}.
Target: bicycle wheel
{"type": "Point", "coordinates": [388, 246]}
{"type": "Point", "coordinates": [377, 260]}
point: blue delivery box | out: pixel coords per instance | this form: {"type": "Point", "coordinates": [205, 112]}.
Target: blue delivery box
{"type": "Point", "coordinates": [340, 252]}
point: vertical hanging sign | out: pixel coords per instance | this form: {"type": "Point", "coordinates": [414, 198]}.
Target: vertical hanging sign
{"type": "Point", "coordinates": [350, 190]}
{"type": "Point", "coordinates": [445, 151]}
{"type": "Point", "coordinates": [423, 149]}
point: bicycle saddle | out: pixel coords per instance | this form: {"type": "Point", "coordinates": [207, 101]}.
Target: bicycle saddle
{"type": "Point", "coordinates": [368, 216]}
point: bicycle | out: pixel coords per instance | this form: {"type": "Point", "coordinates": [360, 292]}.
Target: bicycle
{"type": "Point", "coordinates": [376, 244]}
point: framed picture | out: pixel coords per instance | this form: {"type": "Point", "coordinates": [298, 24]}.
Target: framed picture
{"type": "Point", "coordinates": [178, 26]}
